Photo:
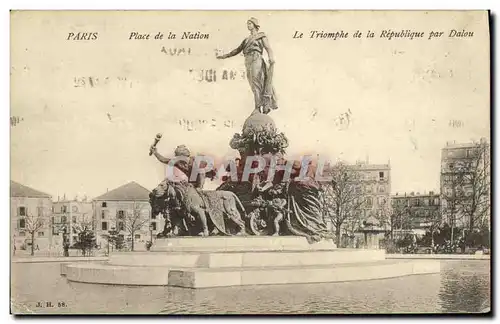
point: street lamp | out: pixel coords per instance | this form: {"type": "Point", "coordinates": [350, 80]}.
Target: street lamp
{"type": "Point", "coordinates": [150, 243]}
{"type": "Point", "coordinates": [65, 241]}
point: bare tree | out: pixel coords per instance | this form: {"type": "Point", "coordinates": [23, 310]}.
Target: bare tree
{"type": "Point", "coordinates": [433, 222]}
{"type": "Point", "coordinates": [86, 223]}
{"type": "Point", "coordinates": [468, 192]}
{"type": "Point", "coordinates": [474, 174]}
{"type": "Point", "coordinates": [400, 218]}
{"type": "Point", "coordinates": [452, 199]}
{"type": "Point", "coordinates": [341, 197]}
{"type": "Point", "coordinates": [135, 220]}
{"type": "Point", "coordinates": [384, 217]}
{"type": "Point", "coordinates": [32, 225]}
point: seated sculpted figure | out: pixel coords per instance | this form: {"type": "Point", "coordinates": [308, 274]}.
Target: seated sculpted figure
{"type": "Point", "coordinates": [188, 210]}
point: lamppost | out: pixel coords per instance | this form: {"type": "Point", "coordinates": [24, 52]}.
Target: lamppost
{"type": "Point", "coordinates": [65, 241]}
{"type": "Point", "coordinates": [150, 243]}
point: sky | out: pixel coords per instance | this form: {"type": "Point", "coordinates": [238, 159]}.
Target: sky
{"type": "Point", "coordinates": [82, 137]}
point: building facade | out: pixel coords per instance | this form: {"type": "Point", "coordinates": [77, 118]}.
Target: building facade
{"type": "Point", "coordinates": [30, 210]}
{"type": "Point", "coordinates": [73, 216]}
{"type": "Point", "coordinates": [415, 212]}
{"type": "Point", "coordinates": [465, 184]}
{"type": "Point", "coordinates": [375, 189]}
{"type": "Point", "coordinates": [126, 209]}
{"type": "Point", "coordinates": [371, 186]}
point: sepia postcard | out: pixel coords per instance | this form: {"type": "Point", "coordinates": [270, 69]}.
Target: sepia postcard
{"type": "Point", "coordinates": [250, 162]}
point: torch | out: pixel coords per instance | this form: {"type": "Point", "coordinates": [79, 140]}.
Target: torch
{"type": "Point", "coordinates": [157, 139]}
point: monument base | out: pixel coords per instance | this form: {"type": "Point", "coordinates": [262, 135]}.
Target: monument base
{"type": "Point", "coordinates": [202, 262]}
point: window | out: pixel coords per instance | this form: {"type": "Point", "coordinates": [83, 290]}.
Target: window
{"type": "Point", "coordinates": [63, 209]}
{"type": "Point", "coordinates": [63, 219]}
{"type": "Point", "coordinates": [74, 209]}
{"type": "Point", "coordinates": [39, 211]}
{"type": "Point", "coordinates": [121, 214]}
{"type": "Point", "coordinates": [369, 201]}
{"type": "Point", "coordinates": [41, 234]}
{"type": "Point", "coordinates": [381, 189]}
{"type": "Point", "coordinates": [121, 226]}
{"type": "Point", "coordinates": [104, 204]}
{"type": "Point", "coordinates": [137, 236]}
{"type": "Point", "coordinates": [22, 233]}
{"type": "Point", "coordinates": [436, 201]}
{"type": "Point", "coordinates": [22, 223]}
{"type": "Point", "coordinates": [22, 211]}
{"type": "Point", "coordinates": [381, 175]}
{"type": "Point", "coordinates": [103, 214]}
{"type": "Point", "coordinates": [382, 201]}
{"type": "Point", "coordinates": [153, 226]}
{"type": "Point", "coordinates": [73, 219]}
{"type": "Point", "coordinates": [104, 226]}
{"type": "Point", "coordinates": [417, 202]}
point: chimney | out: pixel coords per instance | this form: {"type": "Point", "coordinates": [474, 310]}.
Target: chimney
{"type": "Point", "coordinates": [431, 193]}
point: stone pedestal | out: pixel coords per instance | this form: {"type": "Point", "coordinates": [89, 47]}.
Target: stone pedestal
{"type": "Point", "coordinates": [239, 243]}
{"type": "Point", "coordinates": [202, 262]}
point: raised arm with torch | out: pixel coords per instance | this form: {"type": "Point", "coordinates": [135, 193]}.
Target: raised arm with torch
{"type": "Point", "coordinates": [157, 139]}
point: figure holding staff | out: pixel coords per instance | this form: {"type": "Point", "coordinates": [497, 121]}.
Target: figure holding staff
{"type": "Point", "coordinates": [259, 74]}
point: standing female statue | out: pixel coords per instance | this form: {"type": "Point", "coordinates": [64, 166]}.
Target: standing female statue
{"type": "Point", "coordinates": [259, 75]}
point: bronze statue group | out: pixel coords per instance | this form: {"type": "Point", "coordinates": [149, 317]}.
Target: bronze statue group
{"type": "Point", "coordinates": [253, 206]}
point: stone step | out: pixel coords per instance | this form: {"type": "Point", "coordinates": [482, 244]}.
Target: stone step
{"type": "Point", "coordinates": [223, 277]}
{"type": "Point", "coordinates": [238, 243]}
{"type": "Point", "coordinates": [237, 276]}
{"type": "Point", "coordinates": [246, 259]}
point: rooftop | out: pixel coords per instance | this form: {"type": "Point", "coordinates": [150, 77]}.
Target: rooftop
{"type": "Point", "coordinates": [367, 167]}
{"type": "Point", "coordinates": [454, 145]}
{"type": "Point", "coordinates": [131, 191]}
{"type": "Point", "coordinates": [19, 190]}
{"type": "Point", "coordinates": [415, 194]}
